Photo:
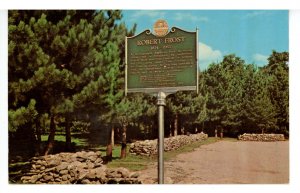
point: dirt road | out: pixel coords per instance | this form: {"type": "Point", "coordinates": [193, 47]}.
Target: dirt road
{"type": "Point", "coordinates": [227, 162]}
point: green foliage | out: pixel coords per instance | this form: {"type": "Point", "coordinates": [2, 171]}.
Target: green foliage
{"type": "Point", "coordinates": [21, 116]}
{"type": "Point", "coordinates": [68, 62]}
{"type": "Point", "coordinates": [243, 98]}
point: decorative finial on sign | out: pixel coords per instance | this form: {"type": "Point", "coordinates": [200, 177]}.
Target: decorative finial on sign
{"type": "Point", "coordinates": [161, 28]}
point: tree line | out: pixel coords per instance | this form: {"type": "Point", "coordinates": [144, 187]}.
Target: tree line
{"type": "Point", "coordinates": [66, 72]}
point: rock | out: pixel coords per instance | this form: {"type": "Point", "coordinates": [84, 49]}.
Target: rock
{"type": "Point", "coordinates": [65, 177]}
{"type": "Point", "coordinates": [49, 169]}
{"type": "Point", "coordinates": [62, 166]}
{"type": "Point", "coordinates": [90, 153]}
{"type": "Point", "coordinates": [124, 172]}
{"type": "Point", "coordinates": [90, 165]}
{"type": "Point", "coordinates": [93, 158]}
{"type": "Point", "coordinates": [91, 174]}
{"type": "Point", "coordinates": [72, 180]}
{"type": "Point", "coordinates": [34, 166]}
{"type": "Point", "coordinates": [38, 162]}
{"type": "Point", "coordinates": [75, 164]}
{"type": "Point", "coordinates": [55, 175]}
{"type": "Point", "coordinates": [99, 160]}
{"type": "Point", "coordinates": [53, 163]}
{"type": "Point", "coordinates": [134, 175]}
{"type": "Point", "coordinates": [63, 172]}
{"type": "Point", "coordinates": [82, 174]}
{"type": "Point", "coordinates": [34, 178]}
{"type": "Point", "coordinates": [48, 177]}
{"type": "Point", "coordinates": [112, 181]}
{"type": "Point", "coordinates": [100, 172]}
{"type": "Point", "coordinates": [110, 173]}
{"type": "Point", "coordinates": [26, 178]}
{"type": "Point", "coordinates": [85, 181]}
{"type": "Point", "coordinates": [149, 147]}
{"type": "Point", "coordinates": [57, 180]}
{"type": "Point", "coordinates": [261, 137]}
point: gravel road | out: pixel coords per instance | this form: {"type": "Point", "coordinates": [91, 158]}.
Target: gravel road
{"type": "Point", "coordinates": [226, 162]}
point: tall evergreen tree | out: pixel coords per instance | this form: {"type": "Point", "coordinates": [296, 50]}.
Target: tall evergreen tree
{"type": "Point", "coordinates": [72, 61]}
{"type": "Point", "coordinates": [278, 69]}
{"type": "Point", "coordinates": [257, 105]}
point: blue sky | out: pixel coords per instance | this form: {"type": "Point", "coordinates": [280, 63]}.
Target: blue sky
{"type": "Point", "coordinates": [250, 34]}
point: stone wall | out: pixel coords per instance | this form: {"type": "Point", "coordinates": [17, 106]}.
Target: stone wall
{"type": "Point", "coordinates": [261, 137]}
{"type": "Point", "coordinates": [149, 147]}
{"type": "Point", "coordinates": [76, 168]}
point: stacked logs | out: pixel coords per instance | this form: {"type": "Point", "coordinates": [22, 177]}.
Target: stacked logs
{"type": "Point", "coordinates": [261, 137]}
{"type": "Point", "coordinates": [149, 147]}
{"type": "Point", "coordinates": [76, 168]}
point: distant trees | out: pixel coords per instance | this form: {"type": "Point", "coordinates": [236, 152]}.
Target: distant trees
{"type": "Point", "coordinates": [244, 98]}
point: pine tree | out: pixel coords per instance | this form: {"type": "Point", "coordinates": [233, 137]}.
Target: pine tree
{"type": "Point", "coordinates": [224, 85]}
{"type": "Point", "coordinates": [72, 61]}
{"type": "Point", "coordinates": [278, 69]}
{"type": "Point", "coordinates": [257, 105]}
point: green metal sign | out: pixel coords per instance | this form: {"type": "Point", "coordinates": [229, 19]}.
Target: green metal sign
{"type": "Point", "coordinates": [165, 63]}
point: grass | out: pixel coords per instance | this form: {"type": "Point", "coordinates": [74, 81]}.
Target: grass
{"type": "Point", "coordinates": [188, 148]}
{"type": "Point", "coordinates": [230, 139]}
{"type": "Point", "coordinates": [77, 141]}
{"type": "Point", "coordinates": [136, 163]}
{"type": "Point", "coordinates": [132, 162]}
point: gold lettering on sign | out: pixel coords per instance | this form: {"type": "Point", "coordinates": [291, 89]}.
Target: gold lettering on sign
{"type": "Point", "coordinates": [160, 67]}
{"type": "Point", "coordinates": [160, 41]}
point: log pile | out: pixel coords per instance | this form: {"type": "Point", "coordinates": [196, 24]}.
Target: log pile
{"type": "Point", "coordinates": [149, 147]}
{"type": "Point", "coordinates": [76, 168]}
{"type": "Point", "coordinates": [261, 137]}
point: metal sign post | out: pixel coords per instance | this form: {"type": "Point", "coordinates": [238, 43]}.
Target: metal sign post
{"type": "Point", "coordinates": [161, 102]}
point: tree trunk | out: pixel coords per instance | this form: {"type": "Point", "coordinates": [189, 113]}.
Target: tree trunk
{"type": "Point", "coordinates": [170, 130]}
{"type": "Point", "coordinates": [112, 137]}
{"type": "Point", "coordinates": [51, 136]}
{"type": "Point", "coordinates": [221, 134]}
{"type": "Point", "coordinates": [176, 124]}
{"type": "Point", "coordinates": [216, 133]}
{"type": "Point", "coordinates": [262, 131]}
{"type": "Point", "coordinates": [123, 144]}
{"type": "Point", "coordinates": [109, 145]}
{"type": "Point", "coordinates": [68, 134]}
{"type": "Point", "coordinates": [182, 130]}
{"type": "Point", "coordinates": [38, 138]}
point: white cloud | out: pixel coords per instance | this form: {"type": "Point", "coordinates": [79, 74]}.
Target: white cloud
{"type": "Point", "coordinates": [151, 14]}
{"type": "Point", "coordinates": [189, 17]}
{"type": "Point", "coordinates": [260, 59]}
{"type": "Point", "coordinates": [255, 14]}
{"type": "Point", "coordinates": [208, 55]}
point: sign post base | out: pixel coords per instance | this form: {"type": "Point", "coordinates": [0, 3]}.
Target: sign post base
{"type": "Point", "coordinates": [161, 102]}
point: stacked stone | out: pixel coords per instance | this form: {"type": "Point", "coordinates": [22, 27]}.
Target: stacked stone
{"type": "Point", "coordinates": [149, 147]}
{"type": "Point", "coordinates": [261, 137]}
{"type": "Point", "coordinates": [75, 168]}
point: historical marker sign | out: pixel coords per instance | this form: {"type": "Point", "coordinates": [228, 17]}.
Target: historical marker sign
{"type": "Point", "coordinates": [162, 61]}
